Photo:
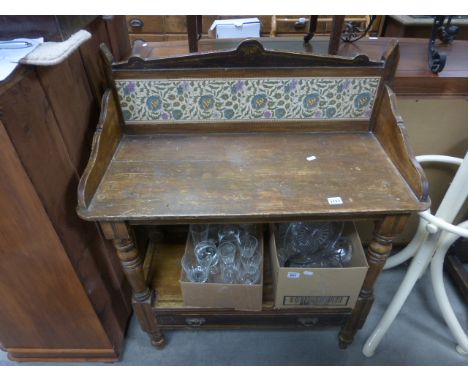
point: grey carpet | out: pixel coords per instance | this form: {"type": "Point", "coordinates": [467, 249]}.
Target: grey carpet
{"type": "Point", "coordinates": [417, 337]}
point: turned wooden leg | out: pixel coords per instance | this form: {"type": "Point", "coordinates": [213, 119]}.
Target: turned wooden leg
{"type": "Point", "coordinates": [377, 253]}
{"type": "Point", "coordinates": [132, 263]}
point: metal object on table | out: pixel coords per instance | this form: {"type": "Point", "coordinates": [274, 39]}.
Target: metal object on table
{"type": "Point", "coordinates": [350, 33]}
{"type": "Point", "coordinates": [353, 33]}
{"type": "Point", "coordinates": [446, 34]}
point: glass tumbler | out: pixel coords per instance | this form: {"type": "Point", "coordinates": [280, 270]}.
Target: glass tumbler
{"type": "Point", "coordinates": [199, 232]}
{"type": "Point", "coordinates": [214, 271]}
{"type": "Point", "coordinates": [250, 269]}
{"type": "Point", "coordinates": [248, 244]}
{"type": "Point", "coordinates": [206, 252]}
{"type": "Point", "coordinates": [229, 232]}
{"type": "Point", "coordinates": [195, 272]}
{"type": "Point", "coordinates": [254, 260]}
{"type": "Point", "coordinates": [227, 251]}
{"type": "Point", "coordinates": [229, 273]}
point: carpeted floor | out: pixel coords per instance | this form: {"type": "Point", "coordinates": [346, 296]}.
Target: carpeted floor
{"type": "Point", "coordinates": [417, 337]}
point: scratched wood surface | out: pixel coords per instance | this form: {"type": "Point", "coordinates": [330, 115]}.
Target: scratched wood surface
{"type": "Point", "coordinates": [221, 176]}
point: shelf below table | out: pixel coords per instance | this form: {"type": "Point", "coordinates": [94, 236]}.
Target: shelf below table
{"type": "Point", "coordinates": [162, 269]}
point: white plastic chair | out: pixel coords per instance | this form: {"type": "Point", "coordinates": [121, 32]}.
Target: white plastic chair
{"type": "Point", "coordinates": [434, 236]}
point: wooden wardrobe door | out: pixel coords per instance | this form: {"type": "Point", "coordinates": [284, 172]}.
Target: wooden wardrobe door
{"type": "Point", "coordinates": [45, 310]}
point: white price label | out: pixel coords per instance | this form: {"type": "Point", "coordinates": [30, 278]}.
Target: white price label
{"type": "Point", "coordinates": [293, 275]}
{"type": "Point", "coordinates": [308, 273]}
{"type": "Point", "coordinates": [335, 200]}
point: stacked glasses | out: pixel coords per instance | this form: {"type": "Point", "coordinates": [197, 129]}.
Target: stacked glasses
{"type": "Point", "coordinates": [227, 254]}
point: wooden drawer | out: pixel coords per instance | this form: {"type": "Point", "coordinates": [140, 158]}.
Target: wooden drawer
{"type": "Point", "coordinates": [146, 38]}
{"type": "Point", "coordinates": [285, 24]}
{"type": "Point", "coordinates": [175, 24]}
{"type": "Point", "coordinates": [167, 25]}
{"type": "Point", "coordinates": [157, 24]}
{"type": "Point", "coordinates": [178, 25]}
{"type": "Point", "coordinates": [145, 24]}
{"type": "Point", "coordinates": [267, 319]}
{"type": "Point", "coordinates": [156, 37]}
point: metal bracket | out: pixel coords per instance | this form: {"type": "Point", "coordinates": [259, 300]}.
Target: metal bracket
{"type": "Point", "coordinates": [353, 33]}
{"type": "Point", "coordinates": [446, 34]}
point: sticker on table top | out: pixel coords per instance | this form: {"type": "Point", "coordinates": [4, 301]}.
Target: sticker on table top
{"type": "Point", "coordinates": [311, 158]}
{"type": "Point", "coordinates": [308, 273]}
{"type": "Point", "coordinates": [335, 200]}
{"type": "Point", "coordinates": [293, 275]}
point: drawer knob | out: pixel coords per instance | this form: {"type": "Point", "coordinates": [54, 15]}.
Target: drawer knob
{"type": "Point", "coordinates": [195, 321]}
{"type": "Point", "coordinates": [308, 321]}
{"type": "Point", "coordinates": [136, 23]}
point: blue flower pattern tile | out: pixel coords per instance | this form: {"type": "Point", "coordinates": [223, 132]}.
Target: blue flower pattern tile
{"type": "Point", "coordinates": [244, 99]}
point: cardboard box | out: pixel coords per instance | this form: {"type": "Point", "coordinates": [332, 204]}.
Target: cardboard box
{"type": "Point", "coordinates": [319, 287]}
{"type": "Point", "coordinates": [235, 28]}
{"type": "Point", "coordinates": [216, 295]}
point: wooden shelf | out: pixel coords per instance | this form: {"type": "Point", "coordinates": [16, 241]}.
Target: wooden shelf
{"type": "Point", "coordinates": [248, 176]}
{"type": "Point", "coordinates": [162, 264]}
{"type": "Point", "coordinates": [162, 269]}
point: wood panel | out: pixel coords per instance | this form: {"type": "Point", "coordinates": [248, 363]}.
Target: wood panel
{"type": "Point", "coordinates": [136, 39]}
{"type": "Point", "coordinates": [93, 65]}
{"type": "Point", "coordinates": [51, 114]}
{"type": "Point", "coordinates": [106, 140]}
{"type": "Point", "coordinates": [391, 133]}
{"type": "Point", "coordinates": [70, 78]}
{"type": "Point", "coordinates": [242, 127]}
{"type": "Point", "coordinates": [142, 38]}
{"type": "Point", "coordinates": [118, 36]}
{"type": "Point", "coordinates": [40, 145]}
{"type": "Point", "coordinates": [39, 288]}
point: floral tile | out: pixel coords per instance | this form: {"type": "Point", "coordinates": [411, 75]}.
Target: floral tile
{"type": "Point", "coordinates": [246, 99]}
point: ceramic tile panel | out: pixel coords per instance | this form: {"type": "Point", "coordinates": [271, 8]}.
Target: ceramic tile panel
{"type": "Point", "coordinates": [246, 99]}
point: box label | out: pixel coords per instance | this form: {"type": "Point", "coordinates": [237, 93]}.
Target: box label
{"type": "Point", "coordinates": [316, 300]}
{"type": "Point", "coordinates": [293, 275]}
